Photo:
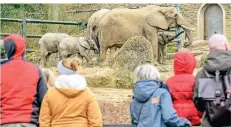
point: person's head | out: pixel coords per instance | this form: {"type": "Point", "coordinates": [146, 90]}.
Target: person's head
{"type": "Point", "coordinates": [68, 66]}
{"type": "Point", "coordinates": [49, 76]}
{"type": "Point", "coordinates": [15, 46]}
{"type": "Point", "coordinates": [146, 72]}
{"type": "Point", "coordinates": [184, 62]}
{"type": "Point", "coordinates": [218, 41]}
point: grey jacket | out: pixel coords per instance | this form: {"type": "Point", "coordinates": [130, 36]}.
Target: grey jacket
{"type": "Point", "coordinates": [216, 60]}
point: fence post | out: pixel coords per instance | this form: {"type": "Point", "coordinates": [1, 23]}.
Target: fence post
{"type": "Point", "coordinates": [178, 30]}
{"type": "Point", "coordinates": [24, 28]}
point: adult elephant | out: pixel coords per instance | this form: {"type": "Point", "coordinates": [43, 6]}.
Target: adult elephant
{"type": "Point", "coordinates": [118, 25]}
{"type": "Point", "coordinates": [93, 23]}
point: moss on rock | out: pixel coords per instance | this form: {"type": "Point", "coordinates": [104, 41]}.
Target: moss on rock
{"type": "Point", "coordinates": [136, 51]}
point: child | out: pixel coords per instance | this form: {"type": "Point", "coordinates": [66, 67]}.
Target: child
{"type": "Point", "coordinates": [181, 87]}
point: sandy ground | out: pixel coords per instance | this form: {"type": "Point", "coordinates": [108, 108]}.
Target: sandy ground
{"type": "Point", "coordinates": [112, 94]}
{"type": "Point", "coordinates": [114, 103]}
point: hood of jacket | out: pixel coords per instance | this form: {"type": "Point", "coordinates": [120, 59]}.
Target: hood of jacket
{"type": "Point", "coordinates": [15, 46]}
{"type": "Point", "coordinates": [144, 89]}
{"type": "Point", "coordinates": [218, 60]}
{"type": "Point", "coordinates": [70, 85]}
{"type": "Point", "coordinates": [184, 63]}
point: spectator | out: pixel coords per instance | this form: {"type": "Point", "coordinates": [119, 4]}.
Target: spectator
{"type": "Point", "coordinates": [218, 59]}
{"type": "Point", "coordinates": [22, 86]}
{"type": "Point", "coordinates": [71, 103]}
{"type": "Point", "coordinates": [49, 77]}
{"type": "Point", "coordinates": [181, 87]}
{"type": "Point", "coordinates": [152, 105]}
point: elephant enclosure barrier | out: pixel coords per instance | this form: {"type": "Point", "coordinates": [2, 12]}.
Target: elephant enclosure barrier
{"type": "Point", "coordinates": [80, 25]}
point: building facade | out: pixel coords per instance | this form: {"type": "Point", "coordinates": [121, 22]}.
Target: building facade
{"type": "Point", "coordinates": [208, 19]}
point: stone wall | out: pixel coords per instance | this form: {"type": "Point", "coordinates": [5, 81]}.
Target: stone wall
{"type": "Point", "coordinates": [190, 11]}
{"type": "Point", "coordinates": [227, 8]}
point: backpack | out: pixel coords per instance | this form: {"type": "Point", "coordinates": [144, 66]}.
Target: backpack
{"type": "Point", "coordinates": [215, 90]}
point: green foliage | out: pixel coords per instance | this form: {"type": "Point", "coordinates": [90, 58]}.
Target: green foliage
{"type": "Point", "coordinates": [171, 48]}
{"type": "Point", "coordinates": [20, 10]}
{"type": "Point", "coordinates": [33, 56]}
{"type": "Point", "coordinates": [3, 53]}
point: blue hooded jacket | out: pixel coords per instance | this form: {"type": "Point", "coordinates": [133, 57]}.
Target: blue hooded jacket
{"type": "Point", "coordinates": [152, 107]}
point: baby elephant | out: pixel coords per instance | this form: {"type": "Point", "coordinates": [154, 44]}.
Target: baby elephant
{"type": "Point", "coordinates": [48, 44]}
{"type": "Point", "coordinates": [163, 40]}
{"type": "Point", "coordinates": [74, 45]}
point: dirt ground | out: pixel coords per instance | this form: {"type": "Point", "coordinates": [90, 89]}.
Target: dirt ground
{"type": "Point", "coordinates": [115, 103]}
{"type": "Point", "coordinates": [113, 94]}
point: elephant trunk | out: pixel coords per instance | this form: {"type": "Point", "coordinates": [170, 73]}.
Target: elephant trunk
{"type": "Point", "coordinates": [188, 34]}
{"type": "Point", "coordinates": [170, 39]}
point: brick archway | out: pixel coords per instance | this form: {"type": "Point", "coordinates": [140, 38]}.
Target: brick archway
{"type": "Point", "coordinates": [200, 20]}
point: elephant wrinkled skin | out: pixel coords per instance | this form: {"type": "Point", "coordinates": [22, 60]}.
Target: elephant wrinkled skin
{"type": "Point", "coordinates": [93, 24]}
{"type": "Point", "coordinates": [74, 45]}
{"type": "Point", "coordinates": [118, 25]}
{"type": "Point", "coordinates": [163, 40]}
{"type": "Point", "coordinates": [48, 44]}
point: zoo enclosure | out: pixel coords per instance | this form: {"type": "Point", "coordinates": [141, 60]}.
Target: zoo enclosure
{"type": "Point", "coordinates": [81, 25]}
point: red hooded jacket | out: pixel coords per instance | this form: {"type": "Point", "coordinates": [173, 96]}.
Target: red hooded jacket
{"type": "Point", "coordinates": [181, 87]}
{"type": "Point", "coordinates": [22, 85]}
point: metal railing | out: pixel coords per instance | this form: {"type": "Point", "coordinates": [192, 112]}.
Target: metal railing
{"type": "Point", "coordinates": [81, 25]}
{"type": "Point", "coordinates": [25, 21]}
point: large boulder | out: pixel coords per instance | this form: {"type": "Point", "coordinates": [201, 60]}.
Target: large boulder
{"type": "Point", "coordinates": [136, 51]}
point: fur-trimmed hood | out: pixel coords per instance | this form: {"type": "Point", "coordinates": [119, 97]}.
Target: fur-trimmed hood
{"type": "Point", "coordinates": [70, 85]}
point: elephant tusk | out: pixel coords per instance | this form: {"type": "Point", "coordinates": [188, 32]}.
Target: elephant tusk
{"type": "Point", "coordinates": [192, 29]}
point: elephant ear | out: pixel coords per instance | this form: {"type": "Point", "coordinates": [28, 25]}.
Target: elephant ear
{"type": "Point", "coordinates": [84, 43]}
{"type": "Point", "coordinates": [157, 19]}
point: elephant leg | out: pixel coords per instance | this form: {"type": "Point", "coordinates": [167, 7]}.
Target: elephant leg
{"type": "Point", "coordinates": [153, 38]}
{"type": "Point", "coordinates": [43, 56]}
{"type": "Point", "coordinates": [155, 46]}
{"type": "Point", "coordinates": [102, 57]}
{"type": "Point", "coordinates": [165, 53]}
{"type": "Point", "coordinates": [85, 56]}
{"type": "Point", "coordinates": [160, 53]}
{"type": "Point", "coordinates": [47, 57]}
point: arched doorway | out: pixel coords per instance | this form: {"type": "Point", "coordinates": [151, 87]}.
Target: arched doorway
{"type": "Point", "coordinates": [211, 20]}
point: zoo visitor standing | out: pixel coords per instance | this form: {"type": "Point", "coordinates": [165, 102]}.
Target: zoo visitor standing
{"type": "Point", "coordinates": [70, 102]}
{"type": "Point", "coordinates": [212, 87]}
{"type": "Point", "coordinates": [152, 105]}
{"type": "Point", "coordinates": [22, 86]}
{"type": "Point", "coordinates": [181, 87]}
